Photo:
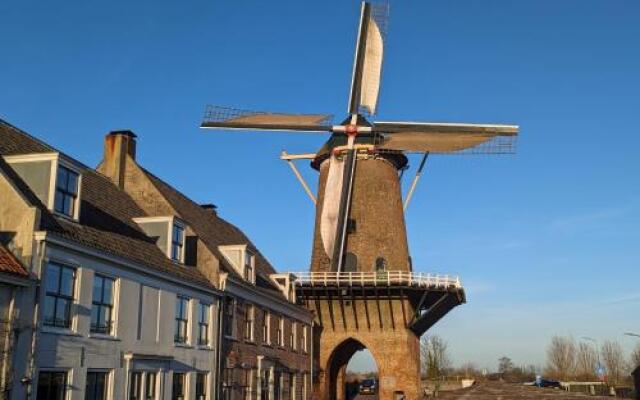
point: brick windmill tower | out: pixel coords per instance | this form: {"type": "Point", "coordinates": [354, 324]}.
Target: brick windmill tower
{"type": "Point", "coordinates": [361, 284]}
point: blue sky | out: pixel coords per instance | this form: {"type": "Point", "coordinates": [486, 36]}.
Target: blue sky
{"type": "Point", "coordinates": [546, 241]}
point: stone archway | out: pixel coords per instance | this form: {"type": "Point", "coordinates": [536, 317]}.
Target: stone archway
{"type": "Point", "coordinates": [337, 364]}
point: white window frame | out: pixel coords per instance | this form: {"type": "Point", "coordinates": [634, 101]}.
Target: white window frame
{"type": "Point", "coordinates": [234, 328]}
{"type": "Point", "coordinates": [280, 331]}
{"type": "Point", "coordinates": [110, 379]}
{"type": "Point", "coordinates": [266, 321]}
{"type": "Point", "coordinates": [209, 320]}
{"type": "Point", "coordinates": [305, 336]}
{"type": "Point", "coordinates": [294, 336]}
{"type": "Point", "coordinates": [77, 281]}
{"type": "Point", "coordinates": [187, 338]}
{"type": "Point", "coordinates": [249, 322]}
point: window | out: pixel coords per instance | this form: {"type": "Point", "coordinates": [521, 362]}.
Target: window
{"type": "Point", "coordinates": [59, 290]}
{"type": "Point", "coordinates": [266, 324]}
{"type": "Point", "coordinates": [227, 383]}
{"type": "Point", "coordinates": [102, 308]}
{"type": "Point", "coordinates": [66, 191]}
{"type": "Point", "coordinates": [177, 390]}
{"type": "Point", "coordinates": [248, 322]}
{"type": "Point", "coordinates": [203, 324]}
{"type": "Point", "coordinates": [201, 386]}
{"type": "Point", "coordinates": [247, 384]}
{"type": "Point", "coordinates": [135, 386]}
{"type": "Point", "coordinates": [249, 264]}
{"type": "Point", "coordinates": [52, 385]}
{"type": "Point", "coordinates": [177, 243]}
{"type": "Point", "coordinates": [350, 263]}
{"type": "Point", "coordinates": [292, 336]}
{"type": "Point", "coordinates": [381, 264]}
{"type": "Point", "coordinates": [229, 316]}
{"type": "Point", "coordinates": [150, 385]}
{"type": "Point", "coordinates": [97, 385]}
{"type": "Point", "coordinates": [182, 319]}
{"type": "Point", "coordinates": [264, 384]}
{"type": "Point", "coordinates": [280, 332]}
{"type": "Point", "coordinates": [304, 346]}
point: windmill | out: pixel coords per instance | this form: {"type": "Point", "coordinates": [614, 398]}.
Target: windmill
{"type": "Point", "coordinates": [360, 137]}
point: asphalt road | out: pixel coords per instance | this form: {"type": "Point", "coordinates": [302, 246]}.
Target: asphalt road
{"type": "Point", "coordinates": [505, 391]}
{"type": "Point", "coordinates": [366, 397]}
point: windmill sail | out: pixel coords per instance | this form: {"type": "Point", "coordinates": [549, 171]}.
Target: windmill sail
{"type": "Point", "coordinates": [445, 138]}
{"type": "Point", "coordinates": [367, 66]}
{"type": "Point", "coordinates": [331, 204]}
{"type": "Point", "coordinates": [230, 118]}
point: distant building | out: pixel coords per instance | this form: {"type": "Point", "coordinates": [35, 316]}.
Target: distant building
{"type": "Point", "coordinates": [123, 288]}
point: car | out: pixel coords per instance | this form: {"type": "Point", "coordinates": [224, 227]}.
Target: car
{"type": "Point", "coordinates": [368, 386]}
{"type": "Point", "coordinates": [547, 383]}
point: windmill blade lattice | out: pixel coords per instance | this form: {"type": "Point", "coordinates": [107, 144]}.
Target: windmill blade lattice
{"type": "Point", "coordinates": [232, 118]}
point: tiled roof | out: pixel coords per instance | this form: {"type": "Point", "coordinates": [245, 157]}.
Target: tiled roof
{"type": "Point", "coordinates": [10, 265]}
{"type": "Point", "coordinates": [106, 213]}
{"type": "Point", "coordinates": [213, 230]}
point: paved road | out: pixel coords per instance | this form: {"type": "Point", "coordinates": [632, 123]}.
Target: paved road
{"type": "Point", "coordinates": [505, 391]}
{"type": "Point", "coordinates": [366, 397]}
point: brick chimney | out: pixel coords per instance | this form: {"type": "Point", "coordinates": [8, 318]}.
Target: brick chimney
{"type": "Point", "coordinates": [117, 145]}
{"type": "Point", "coordinates": [212, 208]}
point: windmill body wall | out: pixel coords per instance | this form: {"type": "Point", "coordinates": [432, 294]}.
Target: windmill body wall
{"type": "Point", "coordinates": [376, 208]}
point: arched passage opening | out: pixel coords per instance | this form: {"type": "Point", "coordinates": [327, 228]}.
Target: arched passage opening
{"type": "Point", "coordinates": [351, 355]}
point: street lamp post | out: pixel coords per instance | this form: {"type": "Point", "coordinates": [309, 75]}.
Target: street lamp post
{"type": "Point", "coordinates": [597, 349]}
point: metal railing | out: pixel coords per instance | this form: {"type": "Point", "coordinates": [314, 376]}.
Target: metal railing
{"type": "Point", "coordinates": [381, 278]}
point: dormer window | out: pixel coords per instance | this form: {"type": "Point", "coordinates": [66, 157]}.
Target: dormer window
{"type": "Point", "coordinates": [53, 178]}
{"type": "Point", "coordinates": [242, 260]}
{"type": "Point", "coordinates": [66, 191]}
{"type": "Point", "coordinates": [170, 234]}
{"type": "Point", "coordinates": [177, 243]}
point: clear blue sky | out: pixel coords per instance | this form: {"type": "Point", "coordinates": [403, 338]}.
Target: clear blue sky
{"type": "Point", "coordinates": [546, 241]}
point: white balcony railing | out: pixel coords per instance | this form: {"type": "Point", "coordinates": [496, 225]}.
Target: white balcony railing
{"type": "Point", "coordinates": [383, 278]}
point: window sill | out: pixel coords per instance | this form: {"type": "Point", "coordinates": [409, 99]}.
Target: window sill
{"type": "Point", "coordinates": [103, 336]}
{"type": "Point", "coordinates": [205, 347]}
{"type": "Point", "coordinates": [183, 345]}
{"type": "Point", "coordinates": [251, 341]}
{"type": "Point", "coordinates": [59, 331]}
{"type": "Point", "coordinates": [233, 338]}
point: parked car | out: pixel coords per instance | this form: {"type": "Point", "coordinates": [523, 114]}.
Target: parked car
{"type": "Point", "coordinates": [547, 383]}
{"type": "Point", "coordinates": [368, 386]}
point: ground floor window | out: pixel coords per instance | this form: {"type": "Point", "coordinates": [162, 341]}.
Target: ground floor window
{"type": "Point", "coordinates": [247, 386]}
{"type": "Point", "coordinates": [135, 386]}
{"type": "Point", "coordinates": [264, 384]}
{"type": "Point", "coordinates": [97, 385]}
{"type": "Point", "coordinates": [227, 383]}
{"type": "Point", "coordinates": [178, 389]}
{"type": "Point", "coordinates": [201, 386]}
{"type": "Point", "coordinates": [52, 385]}
{"type": "Point", "coordinates": [150, 385]}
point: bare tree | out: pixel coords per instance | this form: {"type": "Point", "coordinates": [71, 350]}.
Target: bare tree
{"type": "Point", "coordinates": [561, 357]}
{"type": "Point", "coordinates": [505, 365]}
{"type": "Point", "coordinates": [635, 357]}
{"type": "Point", "coordinates": [586, 361]}
{"type": "Point", "coordinates": [613, 359]}
{"type": "Point", "coordinates": [434, 356]}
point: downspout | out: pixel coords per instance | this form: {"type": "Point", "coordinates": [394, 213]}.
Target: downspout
{"type": "Point", "coordinates": [218, 369]}
{"type": "Point", "coordinates": [35, 324]}
{"type": "Point", "coordinates": [311, 360]}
